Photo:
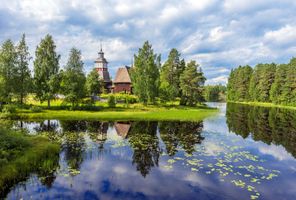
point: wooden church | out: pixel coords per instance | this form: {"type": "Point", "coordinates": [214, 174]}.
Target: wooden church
{"type": "Point", "coordinates": [122, 81]}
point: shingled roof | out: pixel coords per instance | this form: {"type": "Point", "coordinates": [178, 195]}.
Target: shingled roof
{"type": "Point", "coordinates": [122, 75]}
{"type": "Point", "coordinates": [122, 128]}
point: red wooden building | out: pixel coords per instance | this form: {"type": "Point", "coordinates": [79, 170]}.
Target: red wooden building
{"type": "Point", "coordinates": [122, 81]}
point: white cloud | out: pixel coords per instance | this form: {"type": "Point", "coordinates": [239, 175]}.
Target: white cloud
{"type": "Point", "coordinates": [217, 80]}
{"type": "Point", "coordinates": [283, 36]}
{"type": "Point", "coordinates": [277, 152]}
{"type": "Point", "coordinates": [36, 10]}
{"type": "Point", "coordinates": [218, 34]}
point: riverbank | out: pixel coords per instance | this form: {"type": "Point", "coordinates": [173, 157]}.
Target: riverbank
{"type": "Point", "coordinates": [175, 113]}
{"type": "Point", "coordinates": [262, 104]}
{"type": "Point", "coordinates": [21, 155]}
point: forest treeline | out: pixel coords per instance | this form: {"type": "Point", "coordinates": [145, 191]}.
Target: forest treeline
{"type": "Point", "coordinates": [275, 83]}
{"type": "Point", "coordinates": [152, 81]}
{"type": "Point", "coordinates": [215, 93]}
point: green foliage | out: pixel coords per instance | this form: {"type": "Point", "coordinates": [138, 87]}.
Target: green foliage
{"type": "Point", "coordinates": [36, 109]}
{"type": "Point", "coordinates": [215, 93]}
{"type": "Point", "coordinates": [9, 109]}
{"type": "Point", "coordinates": [191, 84]}
{"type": "Point", "coordinates": [266, 83]}
{"type": "Point", "coordinates": [23, 80]}
{"type": "Point", "coordinates": [145, 74]}
{"type": "Point", "coordinates": [73, 78]}
{"type": "Point", "coordinates": [21, 155]}
{"type": "Point", "coordinates": [8, 69]}
{"type": "Point", "coordinates": [166, 92]}
{"type": "Point", "coordinates": [93, 83]}
{"type": "Point", "coordinates": [10, 146]}
{"type": "Point", "coordinates": [277, 89]}
{"type": "Point", "coordinates": [46, 70]}
{"type": "Point", "coordinates": [261, 81]}
{"type": "Point", "coordinates": [170, 76]}
{"type": "Point", "coordinates": [111, 101]}
{"type": "Point", "coordinates": [288, 88]}
{"type": "Point", "coordinates": [238, 83]}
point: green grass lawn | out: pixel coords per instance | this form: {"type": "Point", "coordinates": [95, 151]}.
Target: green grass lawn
{"type": "Point", "coordinates": [146, 113]}
{"type": "Point", "coordinates": [137, 111]}
{"type": "Point", "coordinates": [262, 104]}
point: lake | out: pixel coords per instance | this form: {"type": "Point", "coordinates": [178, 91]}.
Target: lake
{"type": "Point", "coordinates": [242, 153]}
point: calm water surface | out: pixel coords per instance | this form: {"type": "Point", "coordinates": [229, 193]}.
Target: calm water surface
{"type": "Point", "coordinates": [242, 153]}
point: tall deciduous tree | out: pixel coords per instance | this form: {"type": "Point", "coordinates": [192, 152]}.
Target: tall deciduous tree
{"type": "Point", "coordinates": [8, 63]}
{"type": "Point", "coordinates": [145, 74]}
{"type": "Point", "coordinates": [46, 70]}
{"type": "Point", "coordinates": [94, 83]}
{"type": "Point", "coordinates": [192, 84]}
{"type": "Point", "coordinates": [73, 78]}
{"type": "Point", "coordinates": [23, 74]}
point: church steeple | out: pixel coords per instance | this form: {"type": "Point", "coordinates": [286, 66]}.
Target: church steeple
{"type": "Point", "coordinates": [101, 55]}
{"type": "Point", "coordinates": [101, 65]}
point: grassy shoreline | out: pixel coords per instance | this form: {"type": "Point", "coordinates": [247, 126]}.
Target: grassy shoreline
{"type": "Point", "coordinates": [159, 113]}
{"type": "Point", "coordinates": [22, 155]}
{"type": "Point", "coordinates": [262, 104]}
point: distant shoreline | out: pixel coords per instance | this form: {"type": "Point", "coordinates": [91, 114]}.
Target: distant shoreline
{"type": "Point", "coordinates": [263, 104]}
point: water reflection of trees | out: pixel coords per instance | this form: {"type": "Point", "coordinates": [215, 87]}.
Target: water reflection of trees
{"type": "Point", "coordinates": [74, 143]}
{"type": "Point", "coordinates": [183, 134]}
{"type": "Point", "coordinates": [270, 125]}
{"type": "Point", "coordinates": [144, 141]}
{"type": "Point", "coordinates": [98, 132]}
{"type": "Point", "coordinates": [47, 171]}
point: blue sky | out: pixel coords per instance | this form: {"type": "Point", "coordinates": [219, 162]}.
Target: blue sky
{"type": "Point", "coordinates": [218, 34]}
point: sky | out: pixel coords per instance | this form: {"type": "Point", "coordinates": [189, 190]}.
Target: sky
{"type": "Point", "coordinates": [218, 34]}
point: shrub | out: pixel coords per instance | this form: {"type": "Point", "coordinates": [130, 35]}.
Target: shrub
{"type": "Point", "coordinates": [111, 101]}
{"type": "Point", "coordinates": [9, 109]}
{"type": "Point", "coordinates": [36, 109]}
{"type": "Point", "coordinates": [131, 99]}
{"type": "Point", "coordinates": [89, 107]}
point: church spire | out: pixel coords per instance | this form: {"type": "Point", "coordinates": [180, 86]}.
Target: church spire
{"type": "Point", "coordinates": [101, 49]}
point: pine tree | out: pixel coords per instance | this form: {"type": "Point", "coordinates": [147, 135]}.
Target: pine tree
{"type": "Point", "coordinates": [238, 84]}
{"type": "Point", "coordinates": [23, 80]}
{"type": "Point", "coordinates": [46, 70]}
{"type": "Point", "coordinates": [289, 88]}
{"type": "Point", "coordinates": [260, 84]}
{"type": "Point", "coordinates": [73, 78]}
{"type": "Point", "coordinates": [230, 86]}
{"type": "Point", "coordinates": [8, 69]}
{"type": "Point", "coordinates": [145, 74]}
{"type": "Point", "coordinates": [277, 88]}
{"type": "Point", "coordinates": [170, 76]}
{"type": "Point", "coordinates": [191, 83]}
